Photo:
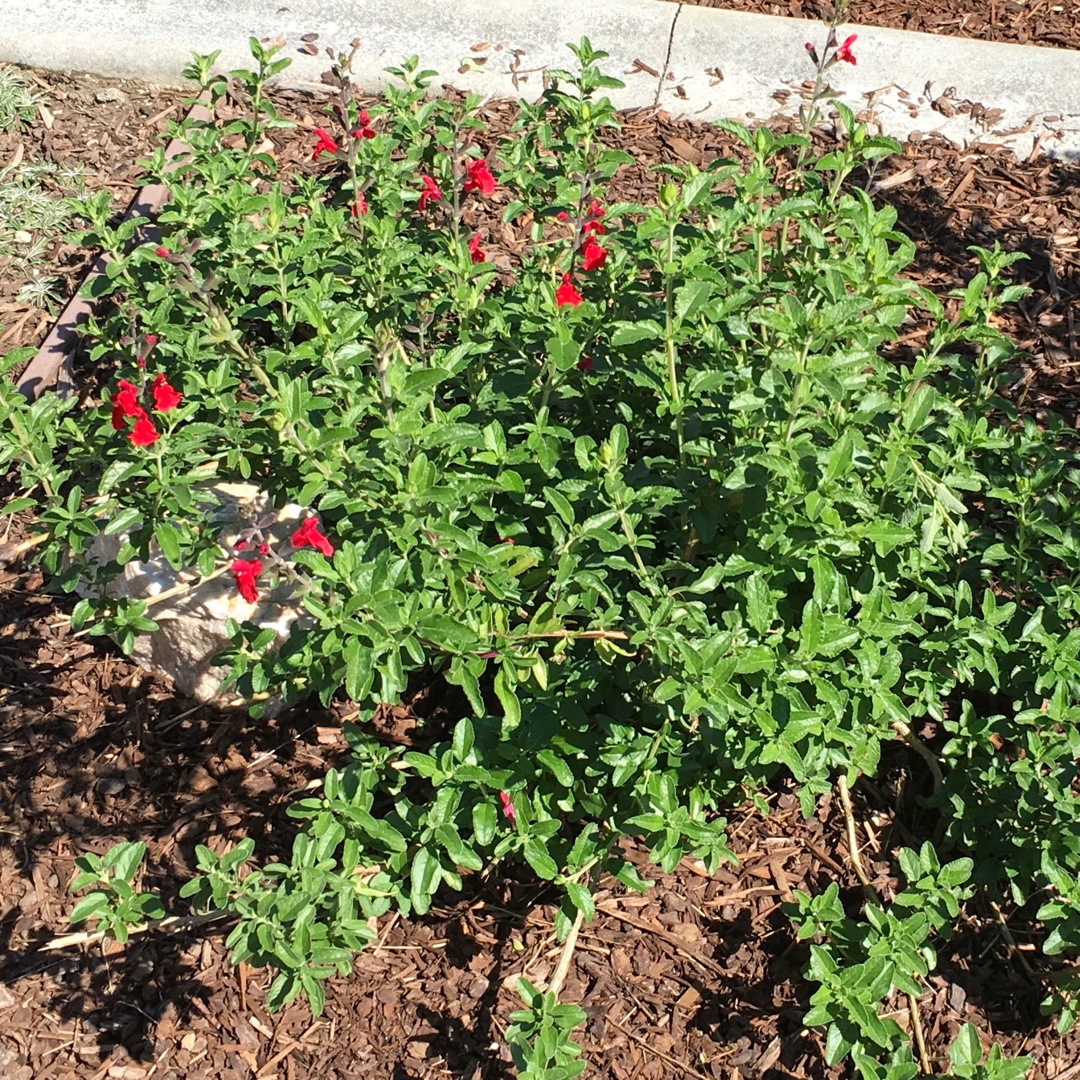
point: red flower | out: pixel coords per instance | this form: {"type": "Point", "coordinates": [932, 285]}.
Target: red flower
{"type": "Point", "coordinates": [363, 205]}
{"type": "Point", "coordinates": [364, 131]}
{"type": "Point", "coordinates": [592, 222]}
{"type": "Point", "coordinates": [165, 397]}
{"type": "Point", "coordinates": [480, 178]}
{"type": "Point", "coordinates": [562, 215]}
{"type": "Point", "coordinates": [475, 252]}
{"type": "Point", "coordinates": [844, 51]}
{"type": "Point", "coordinates": [585, 364]}
{"type": "Point", "coordinates": [431, 191]}
{"type": "Point", "coordinates": [264, 549]}
{"type": "Point", "coordinates": [244, 572]}
{"type": "Point", "coordinates": [324, 145]}
{"type": "Point", "coordinates": [566, 293]}
{"type": "Point", "coordinates": [143, 433]}
{"type": "Point", "coordinates": [507, 806]}
{"type": "Point", "coordinates": [161, 252]}
{"type": "Point", "coordinates": [309, 533]}
{"type": "Point", "coordinates": [593, 256]}
{"type": "Point", "coordinates": [125, 402]}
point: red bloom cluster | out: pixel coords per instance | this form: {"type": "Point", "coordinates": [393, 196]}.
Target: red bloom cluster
{"type": "Point", "coordinates": [309, 535]}
{"type": "Point", "coordinates": [125, 406]}
{"type": "Point", "coordinates": [358, 201]}
{"type": "Point", "coordinates": [480, 178]}
{"type": "Point", "coordinates": [430, 191]}
{"type": "Point", "coordinates": [476, 253]}
{"type": "Point", "coordinates": [593, 224]}
{"type": "Point", "coordinates": [507, 806]}
{"type": "Point", "coordinates": [325, 144]}
{"type": "Point", "coordinates": [593, 256]}
{"type": "Point", "coordinates": [844, 51]}
{"type": "Point", "coordinates": [566, 294]}
{"type": "Point", "coordinates": [364, 129]}
{"type": "Point", "coordinates": [165, 397]}
{"type": "Point", "coordinates": [244, 572]}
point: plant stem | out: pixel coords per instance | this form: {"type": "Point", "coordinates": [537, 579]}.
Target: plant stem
{"type": "Point", "coordinates": [631, 539]}
{"type": "Point", "coordinates": [669, 344]}
{"type": "Point", "coordinates": [797, 393]}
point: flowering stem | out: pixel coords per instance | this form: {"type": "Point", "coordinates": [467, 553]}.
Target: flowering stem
{"type": "Point", "coordinates": [669, 342]}
{"type": "Point", "coordinates": [796, 397]}
{"type": "Point", "coordinates": [279, 267]}
{"type": "Point", "coordinates": [631, 539]}
{"type": "Point", "coordinates": [672, 357]}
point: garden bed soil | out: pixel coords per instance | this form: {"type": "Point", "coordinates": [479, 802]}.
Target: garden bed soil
{"type": "Point", "coordinates": [698, 978]}
{"type": "Point", "coordinates": [1054, 24]}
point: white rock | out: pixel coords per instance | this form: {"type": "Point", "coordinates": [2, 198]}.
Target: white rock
{"type": "Point", "coordinates": [192, 623]}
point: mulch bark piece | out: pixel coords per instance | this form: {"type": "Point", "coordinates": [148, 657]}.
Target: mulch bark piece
{"type": "Point", "coordinates": [699, 977]}
{"type": "Point", "coordinates": [1035, 22]}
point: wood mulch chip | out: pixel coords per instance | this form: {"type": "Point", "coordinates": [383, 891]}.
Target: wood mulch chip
{"type": "Point", "coordinates": [700, 977]}
{"type": "Point", "coordinates": [1050, 23]}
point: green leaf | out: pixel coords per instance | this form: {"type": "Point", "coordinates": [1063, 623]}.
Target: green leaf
{"type": "Point", "coordinates": [966, 1050]}
{"type": "Point", "coordinates": [445, 632]}
{"type": "Point", "coordinates": [424, 877]}
{"type": "Point", "coordinates": [582, 899]}
{"type": "Point", "coordinates": [127, 859]}
{"type": "Point", "coordinates": [93, 903]}
{"type": "Point", "coordinates": [760, 609]}
{"type": "Point", "coordinates": [506, 692]}
{"type": "Point", "coordinates": [557, 767]}
{"type": "Point", "coordinates": [536, 854]}
{"type": "Point", "coordinates": [708, 581]}
{"type": "Point", "coordinates": [168, 540]}
{"type": "Point", "coordinates": [485, 819]}
{"type": "Point", "coordinates": [464, 738]}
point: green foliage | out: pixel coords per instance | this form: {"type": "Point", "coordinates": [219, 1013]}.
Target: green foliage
{"type": "Point", "coordinates": [862, 964]}
{"type": "Point", "coordinates": [32, 216]}
{"type": "Point", "coordinates": [966, 1058]}
{"type": "Point", "coordinates": [688, 534]}
{"type": "Point", "coordinates": [539, 1036]}
{"type": "Point", "coordinates": [18, 102]}
{"type": "Point", "coordinates": [113, 901]}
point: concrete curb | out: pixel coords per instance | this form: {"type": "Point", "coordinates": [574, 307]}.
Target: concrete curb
{"type": "Point", "coordinates": [693, 61]}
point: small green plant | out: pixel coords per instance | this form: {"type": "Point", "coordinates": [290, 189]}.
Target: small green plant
{"type": "Point", "coordinates": [968, 1061]}
{"type": "Point", "coordinates": [31, 217]}
{"type": "Point", "coordinates": [539, 1036]}
{"type": "Point", "coordinates": [41, 291]}
{"type": "Point", "coordinates": [18, 101]}
{"type": "Point", "coordinates": [113, 901]}
{"type": "Point", "coordinates": [862, 963]}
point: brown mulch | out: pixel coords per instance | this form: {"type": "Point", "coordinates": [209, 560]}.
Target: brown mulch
{"type": "Point", "coordinates": [698, 978]}
{"type": "Point", "coordinates": [1052, 24]}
